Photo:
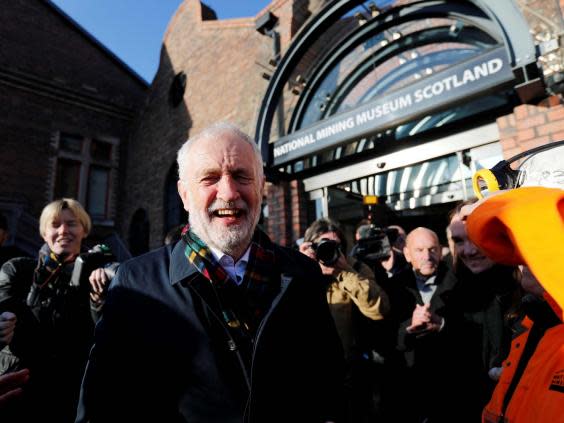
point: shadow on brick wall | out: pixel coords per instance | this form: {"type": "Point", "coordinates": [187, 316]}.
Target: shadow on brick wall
{"type": "Point", "coordinates": [157, 134]}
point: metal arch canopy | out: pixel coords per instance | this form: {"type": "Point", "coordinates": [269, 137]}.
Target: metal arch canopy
{"type": "Point", "coordinates": [389, 19]}
{"type": "Point", "coordinates": [518, 45]}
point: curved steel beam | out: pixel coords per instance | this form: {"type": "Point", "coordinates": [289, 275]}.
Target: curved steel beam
{"type": "Point", "coordinates": [310, 31]}
{"type": "Point", "coordinates": [468, 35]}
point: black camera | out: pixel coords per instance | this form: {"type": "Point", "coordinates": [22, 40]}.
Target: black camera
{"type": "Point", "coordinates": [327, 251]}
{"type": "Point", "coordinates": [375, 244]}
{"type": "Point", "coordinates": [86, 263]}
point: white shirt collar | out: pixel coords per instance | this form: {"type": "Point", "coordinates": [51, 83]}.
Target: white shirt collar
{"type": "Point", "coordinates": [235, 270]}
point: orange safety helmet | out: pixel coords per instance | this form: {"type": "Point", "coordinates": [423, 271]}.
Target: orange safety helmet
{"type": "Point", "coordinates": [524, 226]}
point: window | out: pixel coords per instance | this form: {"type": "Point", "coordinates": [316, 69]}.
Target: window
{"type": "Point", "coordinates": [98, 187]}
{"type": "Point", "coordinates": [84, 171]}
{"type": "Point", "coordinates": [70, 143]}
{"type": "Point", "coordinates": [100, 150]}
{"type": "Point", "coordinates": [67, 179]}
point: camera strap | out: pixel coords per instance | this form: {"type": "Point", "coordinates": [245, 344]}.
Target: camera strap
{"type": "Point", "coordinates": [48, 268]}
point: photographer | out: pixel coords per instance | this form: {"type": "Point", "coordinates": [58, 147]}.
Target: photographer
{"type": "Point", "coordinates": [353, 295]}
{"type": "Point", "coordinates": [55, 311]}
{"type": "Point", "coordinates": [380, 248]}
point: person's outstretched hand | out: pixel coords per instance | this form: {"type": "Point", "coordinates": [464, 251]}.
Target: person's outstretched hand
{"type": "Point", "coordinates": [11, 386]}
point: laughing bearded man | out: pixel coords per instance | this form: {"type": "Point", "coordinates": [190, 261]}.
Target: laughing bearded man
{"type": "Point", "coordinates": [223, 326]}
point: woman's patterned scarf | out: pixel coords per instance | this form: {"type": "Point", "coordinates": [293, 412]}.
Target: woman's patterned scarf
{"type": "Point", "coordinates": [50, 281]}
{"type": "Point", "coordinates": [49, 265]}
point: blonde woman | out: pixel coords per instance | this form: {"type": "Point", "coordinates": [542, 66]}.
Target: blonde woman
{"type": "Point", "coordinates": [54, 324]}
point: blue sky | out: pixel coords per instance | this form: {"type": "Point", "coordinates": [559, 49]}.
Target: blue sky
{"type": "Point", "coordinates": [133, 29]}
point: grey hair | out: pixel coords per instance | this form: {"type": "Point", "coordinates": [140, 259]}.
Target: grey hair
{"type": "Point", "coordinates": [210, 133]}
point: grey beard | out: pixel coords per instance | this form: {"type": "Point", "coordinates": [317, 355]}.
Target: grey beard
{"type": "Point", "coordinates": [232, 241]}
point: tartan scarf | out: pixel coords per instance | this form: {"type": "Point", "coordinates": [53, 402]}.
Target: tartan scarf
{"type": "Point", "coordinates": [244, 306]}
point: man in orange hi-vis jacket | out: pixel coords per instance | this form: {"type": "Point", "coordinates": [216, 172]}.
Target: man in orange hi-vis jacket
{"type": "Point", "coordinates": [526, 226]}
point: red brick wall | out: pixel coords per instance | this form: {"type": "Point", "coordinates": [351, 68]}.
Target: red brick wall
{"type": "Point", "coordinates": [278, 198]}
{"type": "Point", "coordinates": [532, 125]}
{"type": "Point", "coordinates": [54, 78]}
{"type": "Point", "coordinates": [37, 40]}
{"type": "Point", "coordinates": [299, 200]}
{"type": "Point", "coordinates": [287, 211]}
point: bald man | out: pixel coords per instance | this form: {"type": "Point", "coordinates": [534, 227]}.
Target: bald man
{"type": "Point", "coordinates": [427, 327]}
{"type": "Point", "coordinates": [423, 252]}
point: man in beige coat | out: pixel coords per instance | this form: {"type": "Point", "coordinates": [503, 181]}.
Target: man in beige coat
{"type": "Point", "coordinates": [353, 297]}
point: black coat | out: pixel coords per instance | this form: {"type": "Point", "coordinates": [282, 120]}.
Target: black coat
{"type": "Point", "coordinates": [422, 351]}
{"type": "Point", "coordinates": [426, 365]}
{"type": "Point", "coordinates": [162, 353]}
{"type": "Point", "coordinates": [52, 338]}
{"type": "Point", "coordinates": [485, 299]}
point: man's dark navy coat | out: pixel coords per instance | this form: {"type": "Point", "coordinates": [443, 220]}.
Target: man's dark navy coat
{"type": "Point", "coordinates": [162, 354]}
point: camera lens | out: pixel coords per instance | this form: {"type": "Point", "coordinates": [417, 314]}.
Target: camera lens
{"type": "Point", "coordinates": [327, 251]}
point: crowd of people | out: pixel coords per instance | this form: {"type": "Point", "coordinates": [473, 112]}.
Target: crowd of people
{"type": "Point", "coordinates": [223, 325]}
